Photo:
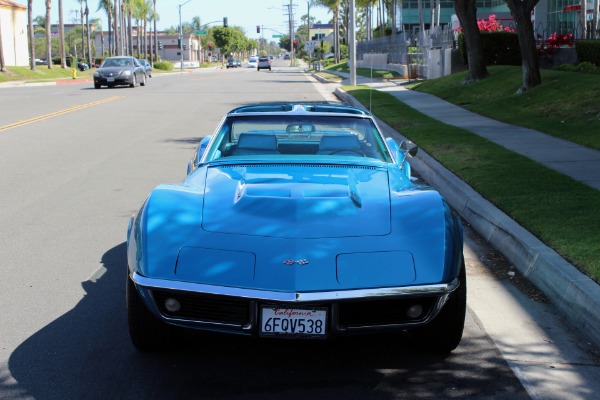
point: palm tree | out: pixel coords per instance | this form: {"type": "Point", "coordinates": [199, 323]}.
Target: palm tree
{"type": "Point", "coordinates": [61, 36]}
{"type": "Point", "coordinates": [334, 7]}
{"type": "Point", "coordinates": [2, 66]}
{"type": "Point", "coordinates": [82, 29]}
{"type": "Point", "coordinates": [154, 18]}
{"type": "Point", "coordinates": [48, 34]}
{"type": "Point", "coordinates": [107, 6]}
{"type": "Point", "coordinates": [87, 32]}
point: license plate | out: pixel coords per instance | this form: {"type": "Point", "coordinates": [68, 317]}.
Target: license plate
{"type": "Point", "coordinates": [293, 322]}
{"type": "Point", "coordinates": [110, 79]}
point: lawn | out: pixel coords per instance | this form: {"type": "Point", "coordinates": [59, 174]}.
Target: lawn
{"type": "Point", "coordinates": [560, 211]}
{"type": "Point", "coordinates": [565, 105]}
{"type": "Point", "coordinates": [41, 74]}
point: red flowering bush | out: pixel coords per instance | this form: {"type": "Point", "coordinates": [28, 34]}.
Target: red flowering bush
{"type": "Point", "coordinates": [491, 24]}
{"type": "Point", "coordinates": [553, 42]}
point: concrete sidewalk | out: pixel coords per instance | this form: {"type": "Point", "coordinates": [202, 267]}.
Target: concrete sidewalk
{"type": "Point", "coordinates": [574, 294]}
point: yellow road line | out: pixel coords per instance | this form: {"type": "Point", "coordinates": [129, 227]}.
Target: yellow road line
{"type": "Point", "coordinates": [57, 113]}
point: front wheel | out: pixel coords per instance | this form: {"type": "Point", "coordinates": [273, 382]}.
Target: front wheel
{"type": "Point", "coordinates": [133, 81]}
{"type": "Point", "coordinates": [147, 332]}
{"type": "Point", "coordinates": [444, 333]}
{"type": "Point", "coordinates": [143, 82]}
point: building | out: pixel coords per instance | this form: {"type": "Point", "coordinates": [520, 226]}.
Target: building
{"type": "Point", "coordinates": [13, 26]}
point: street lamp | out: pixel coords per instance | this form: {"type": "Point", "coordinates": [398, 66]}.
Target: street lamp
{"type": "Point", "coordinates": [181, 34]}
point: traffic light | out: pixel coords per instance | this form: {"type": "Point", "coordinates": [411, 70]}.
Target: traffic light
{"type": "Point", "coordinates": [179, 43]}
{"type": "Point", "coordinates": [257, 28]}
{"type": "Point", "coordinates": [225, 22]}
{"type": "Point", "coordinates": [160, 46]}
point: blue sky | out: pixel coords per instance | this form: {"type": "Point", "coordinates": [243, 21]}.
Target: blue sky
{"type": "Point", "coordinates": [244, 13]}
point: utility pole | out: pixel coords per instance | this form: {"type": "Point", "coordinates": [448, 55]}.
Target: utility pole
{"type": "Point", "coordinates": [181, 35]}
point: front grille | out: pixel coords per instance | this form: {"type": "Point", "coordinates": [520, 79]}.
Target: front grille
{"type": "Point", "coordinates": [203, 308]}
{"type": "Point", "coordinates": [382, 312]}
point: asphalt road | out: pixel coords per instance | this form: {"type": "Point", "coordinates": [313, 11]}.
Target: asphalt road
{"type": "Point", "coordinates": [76, 163]}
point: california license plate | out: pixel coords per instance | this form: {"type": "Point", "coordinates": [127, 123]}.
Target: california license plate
{"type": "Point", "coordinates": [110, 79]}
{"type": "Point", "coordinates": [293, 322]}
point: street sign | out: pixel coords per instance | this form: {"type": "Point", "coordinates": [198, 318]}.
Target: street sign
{"type": "Point", "coordinates": [202, 32]}
{"type": "Point", "coordinates": [277, 36]}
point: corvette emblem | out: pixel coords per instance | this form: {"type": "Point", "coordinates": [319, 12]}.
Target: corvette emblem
{"type": "Point", "coordinates": [289, 261]}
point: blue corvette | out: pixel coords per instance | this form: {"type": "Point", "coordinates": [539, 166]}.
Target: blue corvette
{"type": "Point", "coordinates": [296, 221]}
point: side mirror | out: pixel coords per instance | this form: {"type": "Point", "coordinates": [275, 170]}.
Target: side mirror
{"type": "Point", "coordinates": [195, 161]}
{"type": "Point", "coordinates": [406, 148]}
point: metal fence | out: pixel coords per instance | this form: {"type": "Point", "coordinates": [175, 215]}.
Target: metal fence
{"type": "Point", "coordinates": [409, 47]}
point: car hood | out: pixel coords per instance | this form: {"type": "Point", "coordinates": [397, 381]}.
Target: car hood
{"type": "Point", "coordinates": [304, 202]}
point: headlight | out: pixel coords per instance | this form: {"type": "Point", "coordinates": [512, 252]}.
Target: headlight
{"type": "Point", "coordinates": [96, 75]}
{"type": "Point", "coordinates": [126, 73]}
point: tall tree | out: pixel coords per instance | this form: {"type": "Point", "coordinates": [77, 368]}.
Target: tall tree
{"type": "Point", "coordinates": [2, 66]}
{"type": "Point", "coordinates": [334, 7]}
{"type": "Point", "coordinates": [467, 16]}
{"type": "Point", "coordinates": [48, 34]}
{"type": "Point", "coordinates": [81, 14]}
{"type": "Point", "coordinates": [521, 13]}
{"type": "Point", "coordinates": [30, 35]}
{"type": "Point", "coordinates": [154, 20]}
{"type": "Point", "coordinates": [87, 30]}
{"type": "Point", "coordinates": [107, 6]}
{"type": "Point", "coordinates": [61, 36]}
{"type": "Point", "coordinates": [118, 46]}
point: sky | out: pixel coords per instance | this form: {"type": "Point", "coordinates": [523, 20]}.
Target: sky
{"type": "Point", "coordinates": [272, 14]}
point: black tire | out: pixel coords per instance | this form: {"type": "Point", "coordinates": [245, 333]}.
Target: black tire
{"type": "Point", "coordinates": [269, 68]}
{"type": "Point", "coordinates": [148, 333]}
{"type": "Point", "coordinates": [143, 82]}
{"type": "Point", "coordinates": [97, 86]}
{"type": "Point", "coordinates": [133, 81]}
{"type": "Point", "coordinates": [444, 333]}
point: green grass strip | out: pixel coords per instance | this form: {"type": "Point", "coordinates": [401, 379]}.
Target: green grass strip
{"type": "Point", "coordinates": [560, 211]}
{"type": "Point", "coordinates": [565, 105]}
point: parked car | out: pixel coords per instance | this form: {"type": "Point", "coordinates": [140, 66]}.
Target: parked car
{"type": "Point", "coordinates": [120, 71]}
{"type": "Point", "coordinates": [263, 63]}
{"type": "Point", "coordinates": [253, 62]}
{"type": "Point", "coordinates": [286, 56]}
{"type": "Point", "coordinates": [82, 66]}
{"type": "Point", "coordinates": [147, 67]}
{"type": "Point", "coordinates": [238, 62]}
{"type": "Point", "coordinates": [231, 63]}
{"type": "Point", "coordinates": [296, 221]}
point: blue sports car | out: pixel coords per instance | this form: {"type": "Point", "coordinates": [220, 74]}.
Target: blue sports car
{"type": "Point", "coordinates": [296, 221]}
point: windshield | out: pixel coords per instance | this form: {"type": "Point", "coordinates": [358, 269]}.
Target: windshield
{"type": "Point", "coordinates": [294, 135]}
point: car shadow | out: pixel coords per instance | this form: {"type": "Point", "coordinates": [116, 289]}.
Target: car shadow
{"type": "Point", "coordinates": [86, 353]}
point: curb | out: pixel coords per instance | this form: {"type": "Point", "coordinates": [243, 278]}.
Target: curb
{"type": "Point", "coordinates": [575, 295]}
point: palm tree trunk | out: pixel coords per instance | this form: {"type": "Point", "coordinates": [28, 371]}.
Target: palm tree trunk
{"type": "Point", "coordinates": [2, 66]}
{"type": "Point", "coordinates": [61, 36]}
{"type": "Point", "coordinates": [48, 34]}
{"type": "Point", "coordinates": [30, 35]}
{"type": "Point", "coordinates": [87, 29]}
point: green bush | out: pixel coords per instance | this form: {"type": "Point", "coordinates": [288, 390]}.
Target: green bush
{"type": "Point", "coordinates": [499, 48]}
{"type": "Point", "coordinates": [588, 50]}
{"type": "Point", "coordinates": [164, 65]}
{"type": "Point", "coordinates": [585, 67]}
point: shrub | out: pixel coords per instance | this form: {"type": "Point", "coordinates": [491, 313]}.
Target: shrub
{"type": "Point", "coordinates": [164, 65]}
{"type": "Point", "coordinates": [588, 50]}
{"type": "Point", "coordinates": [499, 48]}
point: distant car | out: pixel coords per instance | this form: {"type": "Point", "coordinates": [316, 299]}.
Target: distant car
{"type": "Point", "coordinates": [147, 67]}
{"type": "Point", "coordinates": [39, 62]}
{"type": "Point", "coordinates": [120, 71]}
{"type": "Point", "coordinates": [297, 221]}
{"type": "Point", "coordinates": [286, 56]}
{"type": "Point", "coordinates": [82, 66]}
{"type": "Point", "coordinates": [263, 63]}
{"type": "Point", "coordinates": [253, 62]}
{"type": "Point", "coordinates": [238, 62]}
{"type": "Point", "coordinates": [231, 63]}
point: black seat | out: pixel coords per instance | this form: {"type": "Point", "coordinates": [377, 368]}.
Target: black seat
{"type": "Point", "coordinates": [340, 144]}
{"type": "Point", "coordinates": [250, 143]}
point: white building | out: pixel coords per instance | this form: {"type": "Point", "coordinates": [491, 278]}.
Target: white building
{"type": "Point", "coordinates": [13, 23]}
